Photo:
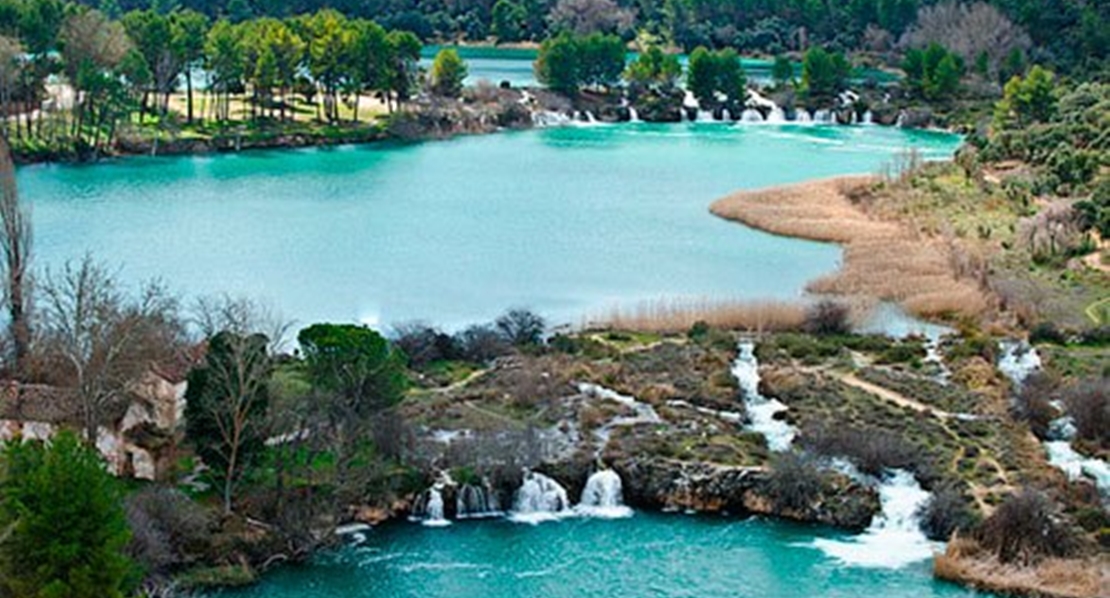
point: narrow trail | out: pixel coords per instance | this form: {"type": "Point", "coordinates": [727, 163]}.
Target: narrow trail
{"type": "Point", "coordinates": [894, 397]}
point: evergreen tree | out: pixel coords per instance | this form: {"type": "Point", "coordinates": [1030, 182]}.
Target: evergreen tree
{"type": "Point", "coordinates": [67, 530]}
{"type": "Point", "coordinates": [558, 64]}
{"type": "Point", "coordinates": [448, 73]}
{"type": "Point", "coordinates": [782, 71]}
{"type": "Point", "coordinates": [701, 76]}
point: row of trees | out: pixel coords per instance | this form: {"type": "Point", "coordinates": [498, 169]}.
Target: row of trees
{"type": "Point", "coordinates": [118, 70]}
{"type": "Point", "coordinates": [1072, 34]}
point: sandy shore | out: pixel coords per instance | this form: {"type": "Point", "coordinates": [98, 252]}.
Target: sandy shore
{"type": "Point", "coordinates": [882, 259]}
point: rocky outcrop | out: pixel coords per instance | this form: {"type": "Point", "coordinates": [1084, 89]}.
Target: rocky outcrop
{"type": "Point", "coordinates": [664, 484]}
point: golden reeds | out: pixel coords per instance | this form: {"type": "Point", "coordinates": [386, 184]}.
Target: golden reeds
{"type": "Point", "coordinates": [679, 315]}
{"type": "Point", "coordinates": [882, 259]}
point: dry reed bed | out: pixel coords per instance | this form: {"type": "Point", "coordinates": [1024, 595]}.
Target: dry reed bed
{"type": "Point", "coordinates": [679, 315]}
{"type": "Point", "coordinates": [964, 563]}
{"type": "Point", "coordinates": [882, 259]}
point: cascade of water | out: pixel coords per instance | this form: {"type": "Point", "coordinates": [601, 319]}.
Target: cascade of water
{"type": "Point", "coordinates": [894, 539]}
{"type": "Point", "coordinates": [1019, 361]}
{"type": "Point", "coordinates": [633, 116]}
{"type": "Point", "coordinates": [823, 117]}
{"type": "Point", "coordinates": [428, 508]}
{"type": "Point", "coordinates": [539, 498]}
{"type": "Point", "coordinates": [751, 115]}
{"type": "Point", "coordinates": [603, 496]}
{"type": "Point", "coordinates": [590, 118]}
{"type": "Point", "coordinates": [901, 121]}
{"type": "Point", "coordinates": [548, 118]}
{"type": "Point", "coordinates": [803, 116]}
{"type": "Point", "coordinates": [777, 115]}
{"type": "Point", "coordinates": [476, 502]}
{"type": "Point", "coordinates": [761, 410]}
{"type": "Point", "coordinates": [868, 118]}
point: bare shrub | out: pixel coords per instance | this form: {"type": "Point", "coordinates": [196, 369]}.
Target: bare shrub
{"type": "Point", "coordinates": [1056, 231]}
{"type": "Point", "coordinates": [424, 344]}
{"type": "Point", "coordinates": [583, 17]}
{"type": "Point", "coordinates": [947, 511]}
{"type": "Point", "coordinates": [872, 450]}
{"type": "Point", "coordinates": [1032, 403]}
{"type": "Point", "coordinates": [827, 317]}
{"type": "Point", "coordinates": [482, 343]}
{"type": "Point", "coordinates": [795, 481]}
{"type": "Point", "coordinates": [168, 530]}
{"type": "Point", "coordinates": [1026, 528]}
{"type": "Point", "coordinates": [969, 30]}
{"type": "Point", "coordinates": [1088, 404]}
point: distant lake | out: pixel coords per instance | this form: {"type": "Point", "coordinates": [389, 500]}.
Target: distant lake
{"type": "Point", "coordinates": [568, 221]}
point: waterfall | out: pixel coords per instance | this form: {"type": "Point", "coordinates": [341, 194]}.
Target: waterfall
{"type": "Point", "coordinates": [761, 410]}
{"type": "Point", "coordinates": [751, 115]}
{"type": "Point", "coordinates": [603, 497]}
{"type": "Point", "coordinates": [894, 539]}
{"type": "Point", "coordinates": [633, 116]}
{"type": "Point", "coordinates": [548, 118]}
{"type": "Point", "coordinates": [803, 116]}
{"type": "Point", "coordinates": [823, 117]}
{"type": "Point", "coordinates": [932, 357]}
{"type": "Point", "coordinates": [901, 121]}
{"type": "Point", "coordinates": [868, 118]}
{"type": "Point", "coordinates": [777, 115]}
{"type": "Point", "coordinates": [1075, 466]}
{"type": "Point", "coordinates": [428, 508]}
{"type": "Point", "coordinates": [590, 118]}
{"type": "Point", "coordinates": [539, 499]}
{"type": "Point", "coordinates": [477, 502]}
{"type": "Point", "coordinates": [1019, 361]}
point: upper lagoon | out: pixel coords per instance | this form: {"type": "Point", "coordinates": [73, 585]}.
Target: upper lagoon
{"type": "Point", "coordinates": [567, 221]}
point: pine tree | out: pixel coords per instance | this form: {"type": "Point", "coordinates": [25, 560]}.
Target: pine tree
{"type": "Point", "coordinates": [66, 528]}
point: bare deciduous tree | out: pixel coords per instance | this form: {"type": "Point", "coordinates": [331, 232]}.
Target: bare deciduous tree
{"type": "Point", "coordinates": [242, 316]}
{"type": "Point", "coordinates": [97, 341]}
{"type": "Point", "coordinates": [15, 240]}
{"type": "Point", "coordinates": [11, 68]}
{"type": "Point", "coordinates": [583, 17]}
{"type": "Point", "coordinates": [968, 30]}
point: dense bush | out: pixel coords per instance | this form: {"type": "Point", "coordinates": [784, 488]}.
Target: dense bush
{"type": "Point", "coordinates": [947, 511]}
{"type": "Point", "coordinates": [871, 450]}
{"type": "Point", "coordinates": [794, 482]}
{"type": "Point", "coordinates": [521, 328]}
{"type": "Point", "coordinates": [482, 343]}
{"type": "Point", "coordinates": [1026, 528]}
{"type": "Point", "coordinates": [1088, 404]}
{"type": "Point", "coordinates": [827, 317]}
{"type": "Point", "coordinates": [424, 344]}
{"type": "Point", "coordinates": [168, 530]}
{"type": "Point", "coordinates": [1032, 403]}
{"type": "Point", "coordinates": [1046, 332]}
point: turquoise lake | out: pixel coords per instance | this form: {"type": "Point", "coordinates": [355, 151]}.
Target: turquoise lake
{"type": "Point", "coordinates": [648, 555]}
{"type": "Point", "coordinates": [567, 221]}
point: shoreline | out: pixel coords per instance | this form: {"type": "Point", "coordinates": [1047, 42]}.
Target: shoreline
{"type": "Point", "coordinates": [882, 259]}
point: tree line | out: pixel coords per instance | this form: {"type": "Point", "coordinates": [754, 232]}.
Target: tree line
{"type": "Point", "coordinates": [124, 67]}
{"type": "Point", "coordinates": [1070, 35]}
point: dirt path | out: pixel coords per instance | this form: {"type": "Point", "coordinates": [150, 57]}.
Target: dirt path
{"type": "Point", "coordinates": [894, 397]}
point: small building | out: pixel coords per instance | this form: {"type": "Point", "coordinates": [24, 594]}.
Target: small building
{"type": "Point", "coordinates": [139, 435]}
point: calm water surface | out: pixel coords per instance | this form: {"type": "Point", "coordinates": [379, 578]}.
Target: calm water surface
{"type": "Point", "coordinates": [568, 221]}
{"type": "Point", "coordinates": [649, 555]}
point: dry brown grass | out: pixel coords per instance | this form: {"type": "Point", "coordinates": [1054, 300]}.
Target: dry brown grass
{"type": "Point", "coordinates": [882, 259]}
{"type": "Point", "coordinates": [678, 315]}
{"type": "Point", "coordinates": [964, 562]}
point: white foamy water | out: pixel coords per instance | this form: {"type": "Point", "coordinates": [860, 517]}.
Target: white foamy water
{"type": "Point", "coordinates": [894, 539]}
{"type": "Point", "coordinates": [540, 499]}
{"type": "Point", "coordinates": [603, 497]}
{"type": "Point", "coordinates": [1076, 466]}
{"type": "Point", "coordinates": [433, 513]}
{"type": "Point", "coordinates": [1018, 361]}
{"type": "Point", "coordinates": [761, 410]}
